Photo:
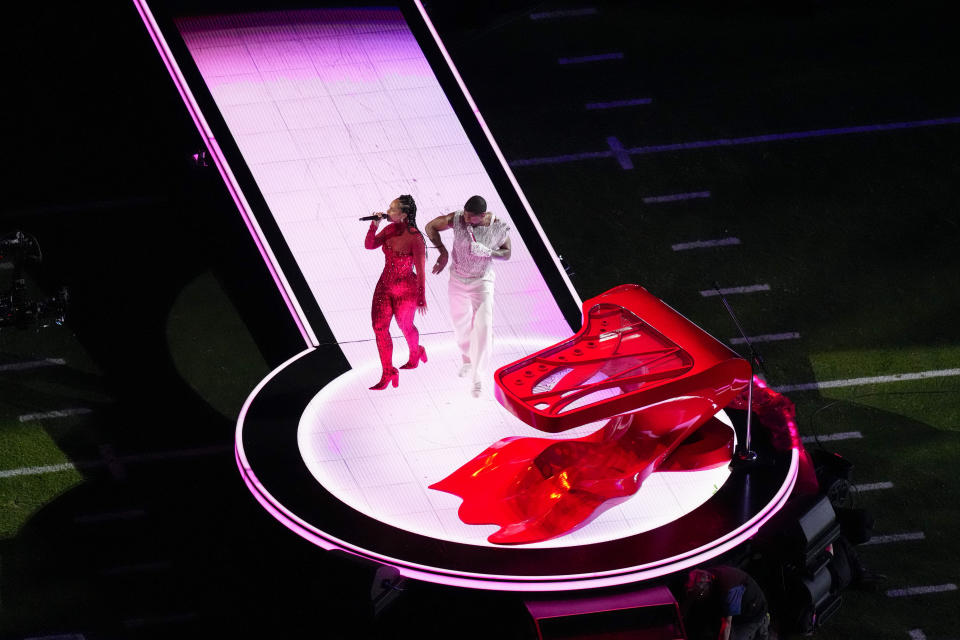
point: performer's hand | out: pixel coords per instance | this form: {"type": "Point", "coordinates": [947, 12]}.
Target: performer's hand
{"type": "Point", "coordinates": [441, 262]}
{"type": "Point", "coordinates": [481, 250]}
{"type": "Point", "coordinates": [380, 216]}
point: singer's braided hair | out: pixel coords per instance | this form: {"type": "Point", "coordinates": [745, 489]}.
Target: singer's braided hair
{"type": "Point", "coordinates": [409, 207]}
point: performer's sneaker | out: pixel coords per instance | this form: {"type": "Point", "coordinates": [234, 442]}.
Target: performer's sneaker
{"type": "Point", "coordinates": [475, 391]}
{"type": "Point", "coordinates": [465, 368]}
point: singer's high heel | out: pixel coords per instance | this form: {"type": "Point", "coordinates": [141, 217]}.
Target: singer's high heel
{"type": "Point", "coordinates": [388, 376]}
{"type": "Point", "coordinates": [415, 360]}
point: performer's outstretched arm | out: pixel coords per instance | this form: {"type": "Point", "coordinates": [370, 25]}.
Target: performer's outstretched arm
{"type": "Point", "coordinates": [433, 229]}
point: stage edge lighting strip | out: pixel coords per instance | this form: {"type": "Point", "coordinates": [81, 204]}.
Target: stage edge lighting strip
{"type": "Point", "coordinates": [244, 464]}
{"type": "Point", "coordinates": [496, 150]}
{"type": "Point", "coordinates": [496, 582]}
{"type": "Point", "coordinates": [528, 583]}
{"type": "Point", "coordinates": [293, 305]}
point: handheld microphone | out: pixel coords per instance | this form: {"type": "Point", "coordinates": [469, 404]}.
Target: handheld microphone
{"type": "Point", "coordinates": [373, 217]}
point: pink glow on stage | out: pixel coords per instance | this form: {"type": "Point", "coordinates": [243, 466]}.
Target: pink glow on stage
{"type": "Point", "coordinates": [379, 453]}
{"type": "Point", "coordinates": [336, 113]}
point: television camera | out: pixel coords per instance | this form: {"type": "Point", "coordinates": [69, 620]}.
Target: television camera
{"type": "Point", "coordinates": [17, 307]}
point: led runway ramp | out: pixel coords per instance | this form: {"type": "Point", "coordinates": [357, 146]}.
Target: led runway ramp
{"type": "Point", "coordinates": [319, 116]}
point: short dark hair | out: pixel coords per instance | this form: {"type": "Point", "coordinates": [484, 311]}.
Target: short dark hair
{"type": "Point", "coordinates": [475, 204]}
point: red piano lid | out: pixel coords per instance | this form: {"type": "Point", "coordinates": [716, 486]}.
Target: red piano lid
{"type": "Point", "coordinates": [632, 351]}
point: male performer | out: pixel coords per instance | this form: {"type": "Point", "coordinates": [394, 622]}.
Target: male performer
{"type": "Point", "coordinates": [478, 238]}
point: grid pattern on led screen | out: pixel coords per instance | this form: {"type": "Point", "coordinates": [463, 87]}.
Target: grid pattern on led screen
{"type": "Point", "coordinates": [336, 113]}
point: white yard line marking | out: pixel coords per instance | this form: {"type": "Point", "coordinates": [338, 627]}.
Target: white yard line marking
{"type": "Point", "coordinates": [856, 382]}
{"type": "Point", "coordinates": [704, 244]}
{"type": "Point", "coordinates": [92, 518]}
{"type": "Point", "coordinates": [919, 591]}
{"type": "Point", "coordinates": [60, 413]}
{"type": "Point", "coordinates": [896, 537]}
{"type": "Point", "coordinates": [706, 293]}
{"type": "Point", "coordinates": [844, 435]}
{"type": "Point", "coordinates": [35, 471]}
{"type": "Point", "coordinates": [563, 13]}
{"type": "Point", "coordinates": [917, 634]}
{"type": "Point", "coordinates": [674, 197]}
{"type": "Point", "coordinates": [873, 486]}
{"type": "Point", "coordinates": [33, 364]}
{"type": "Point", "coordinates": [140, 457]}
{"type": "Point", "coordinates": [768, 337]}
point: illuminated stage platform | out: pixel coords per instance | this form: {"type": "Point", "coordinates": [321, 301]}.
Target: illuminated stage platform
{"type": "Point", "coordinates": [348, 468]}
{"type": "Point", "coordinates": [316, 117]}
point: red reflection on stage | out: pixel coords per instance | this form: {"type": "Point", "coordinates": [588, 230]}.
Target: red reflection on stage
{"type": "Point", "coordinates": [779, 415]}
{"type": "Point", "coordinates": [656, 378]}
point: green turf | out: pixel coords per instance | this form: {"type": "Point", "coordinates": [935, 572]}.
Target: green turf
{"type": "Point", "coordinates": [44, 442]}
{"type": "Point", "coordinates": [211, 347]}
{"type": "Point", "coordinates": [21, 497]}
{"type": "Point", "coordinates": [918, 459]}
{"type": "Point", "coordinates": [27, 444]}
{"type": "Point", "coordinates": [836, 365]}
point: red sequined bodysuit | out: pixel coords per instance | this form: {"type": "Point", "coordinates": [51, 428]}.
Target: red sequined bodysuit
{"type": "Point", "coordinates": [400, 289]}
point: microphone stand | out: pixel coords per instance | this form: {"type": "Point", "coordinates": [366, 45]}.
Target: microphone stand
{"type": "Point", "coordinates": [746, 455]}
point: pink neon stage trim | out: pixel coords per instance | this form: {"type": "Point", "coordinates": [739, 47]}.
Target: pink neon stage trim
{"type": "Point", "coordinates": [440, 575]}
{"type": "Point", "coordinates": [526, 583]}
{"type": "Point", "coordinates": [293, 305]}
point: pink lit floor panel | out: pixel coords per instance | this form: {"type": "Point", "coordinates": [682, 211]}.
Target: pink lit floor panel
{"type": "Point", "coordinates": [379, 451]}
{"type": "Point", "coordinates": [336, 112]}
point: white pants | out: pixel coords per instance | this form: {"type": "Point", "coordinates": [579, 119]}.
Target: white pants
{"type": "Point", "coordinates": [471, 309]}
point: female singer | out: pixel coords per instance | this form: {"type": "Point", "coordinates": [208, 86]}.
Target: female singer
{"type": "Point", "coordinates": [400, 289]}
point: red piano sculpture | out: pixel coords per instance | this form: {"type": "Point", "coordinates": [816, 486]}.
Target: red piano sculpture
{"type": "Point", "coordinates": [651, 380]}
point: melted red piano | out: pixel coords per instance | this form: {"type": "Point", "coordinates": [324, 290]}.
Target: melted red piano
{"type": "Point", "coordinates": [650, 380]}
